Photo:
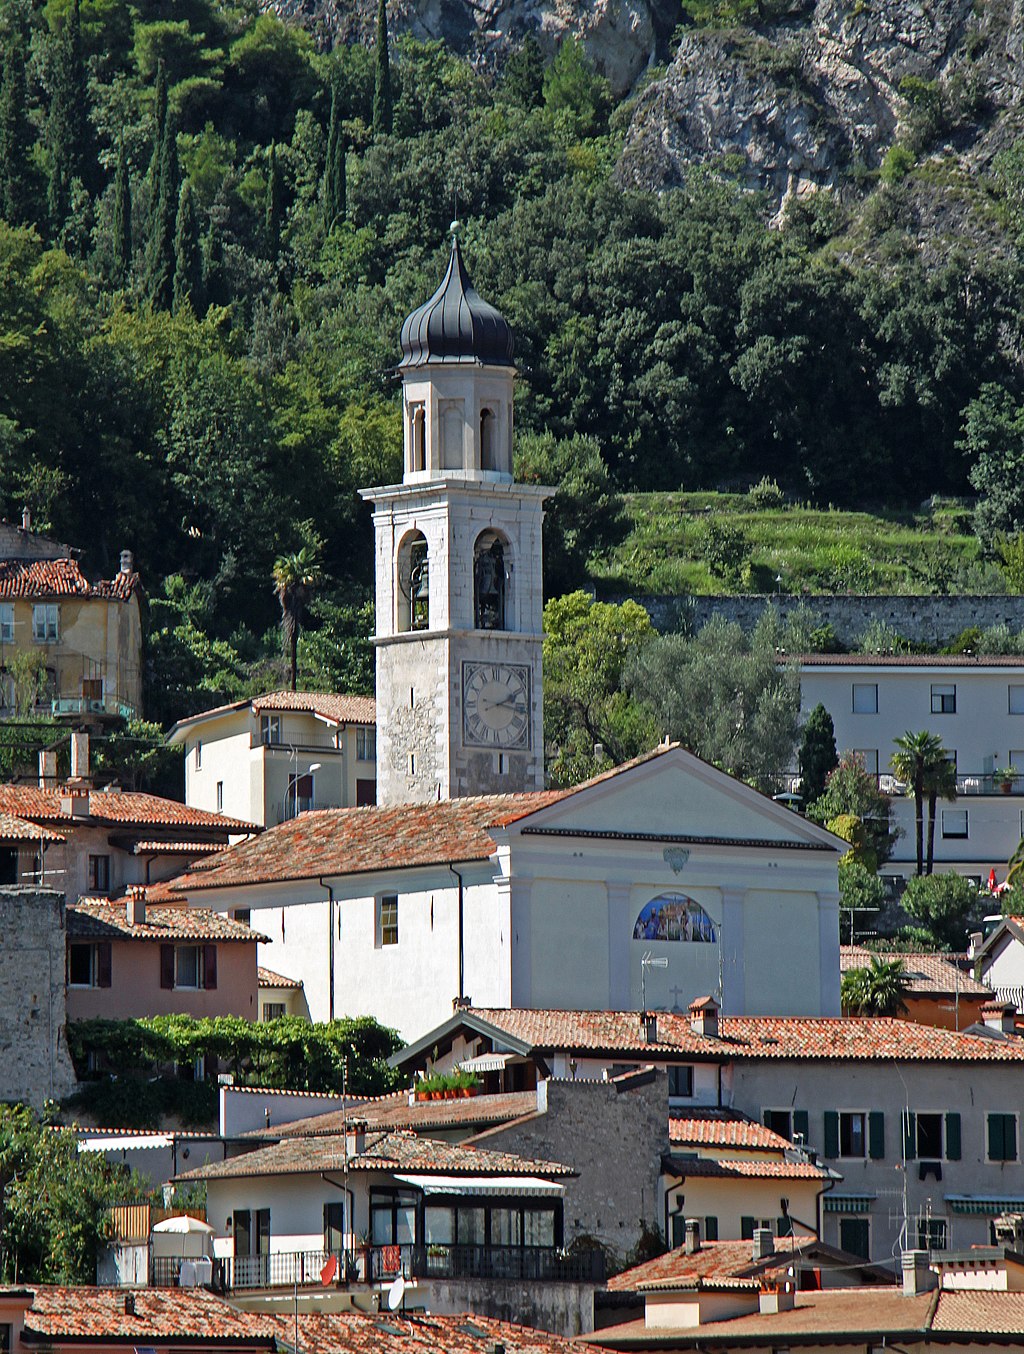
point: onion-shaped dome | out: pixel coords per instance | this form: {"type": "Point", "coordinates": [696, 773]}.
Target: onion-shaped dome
{"type": "Point", "coordinates": [456, 324]}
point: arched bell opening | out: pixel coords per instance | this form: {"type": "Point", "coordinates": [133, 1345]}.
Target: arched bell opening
{"type": "Point", "coordinates": [491, 579]}
{"type": "Point", "coordinates": [413, 583]}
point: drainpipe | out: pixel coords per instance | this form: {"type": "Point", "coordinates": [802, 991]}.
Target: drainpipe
{"type": "Point", "coordinates": [330, 948]}
{"type": "Point", "coordinates": [462, 983]}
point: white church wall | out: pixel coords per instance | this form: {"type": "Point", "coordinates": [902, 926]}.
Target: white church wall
{"type": "Point", "coordinates": [781, 942]}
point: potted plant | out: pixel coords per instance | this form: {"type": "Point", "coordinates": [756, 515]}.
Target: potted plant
{"type": "Point", "coordinates": [1004, 777]}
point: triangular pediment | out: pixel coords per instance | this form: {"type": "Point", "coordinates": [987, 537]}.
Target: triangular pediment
{"type": "Point", "coordinates": [676, 795]}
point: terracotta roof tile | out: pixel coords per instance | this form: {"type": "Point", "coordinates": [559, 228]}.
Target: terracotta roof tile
{"type": "Point", "coordinates": [268, 978]}
{"type": "Point", "coordinates": [394, 1111]}
{"type": "Point", "coordinates": [89, 919]}
{"type": "Point", "coordinates": [721, 1128]}
{"type": "Point", "coordinates": [705, 1168]}
{"type": "Point", "coordinates": [14, 829]}
{"type": "Point", "coordinates": [337, 707]}
{"type": "Point", "coordinates": [929, 975]}
{"type": "Point", "coordinates": [390, 1151]}
{"type": "Point", "coordinates": [988, 1313]}
{"type": "Point", "coordinates": [908, 660]}
{"type": "Point", "coordinates": [121, 808]}
{"type": "Point", "coordinates": [160, 1314]}
{"type": "Point", "coordinates": [714, 1260]}
{"type": "Point", "coordinates": [861, 1039]}
{"type": "Point", "coordinates": [49, 578]}
{"type": "Point", "coordinates": [158, 848]}
{"type": "Point", "coordinates": [394, 1333]}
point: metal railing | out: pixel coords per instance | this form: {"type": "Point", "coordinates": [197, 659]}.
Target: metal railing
{"type": "Point", "coordinates": [89, 705]}
{"type": "Point", "coordinates": [381, 1264]}
{"type": "Point", "coordinates": [321, 742]}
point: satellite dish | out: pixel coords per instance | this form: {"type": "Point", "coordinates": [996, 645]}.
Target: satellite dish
{"type": "Point", "coordinates": [396, 1293]}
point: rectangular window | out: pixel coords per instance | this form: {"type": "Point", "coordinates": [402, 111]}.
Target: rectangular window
{"type": "Point", "coordinates": [1016, 699]}
{"type": "Point", "coordinates": [5, 1338]}
{"type": "Point", "coordinates": [931, 1234]}
{"type": "Point", "coordinates": [7, 629]}
{"type": "Point", "coordinates": [865, 698]}
{"type": "Point", "coordinates": [92, 689]}
{"type": "Point", "coordinates": [242, 914]}
{"type": "Point", "coordinates": [680, 1082]}
{"type": "Point", "coordinates": [366, 743]}
{"type": "Point", "coordinates": [270, 729]}
{"type": "Point", "coordinates": [1002, 1137]}
{"type": "Point", "coordinates": [188, 966]}
{"type": "Point", "coordinates": [366, 792]}
{"type": "Point", "coordinates": [852, 1133]}
{"type": "Point", "coordinates": [220, 796]}
{"type": "Point", "coordinates": [954, 823]}
{"type": "Point", "coordinates": [387, 920]}
{"type": "Point", "coordinates": [273, 1010]}
{"type": "Point", "coordinates": [334, 1228]}
{"type": "Point", "coordinates": [868, 758]}
{"type": "Point", "coordinates": [929, 1136]}
{"type": "Point", "coordinates": [45, 622]}
{"type": "Point", "coordinates": [199, 754]}
{"type": "Point", "coordinates": [99, 874]}
{"type": "Point", "coordinates": [943, 700]}
{"type": "Point", "coordinates": [855, 1236]}
{"type": "Point", "coordinates": [299, 798]}
{"type": "Point", "coordinates": [81, 966]}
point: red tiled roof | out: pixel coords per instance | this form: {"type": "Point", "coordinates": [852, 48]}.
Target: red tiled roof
{"type": "Point", "coordinates": [120, 808]}
{"type": "Point", "coordinates": [394, 1111]}
{"type": "Point", "coordinates": [970, 1312]}
{"type": "Point", "coordinates": [390, 1151]}
{"type": "Point", "coordinates": [14, 829]}
{"type": "Point", "coordinates": [722, 1128]}
{"type": "Point", "coordinates": [165, 1314]}
{"type": "Point", "coordinates": [157, 848]}
{"type": "Point", "coordinates": [704, 1168]}
{"type": "Point", "coordinates": [59, 578]}
{"type": "Point", "coordinates": [354, 841]}
{"type": "Point", "coordinates": [860, 1039]}
{"type": "Point", "coordinates": [268, 978]}
{"type": "Point", "coordinates": [336, 707]}
{"type": "Point", "coordinates": [714, 1260]}
{"type": "Point", "coordinates": [162, 891]}
{"type": "Point", "coordinates": [928, 975]}
{"type": "Point", "coordinates": [907, 660]}
{"type": "Point", "coordinates": [92, 919]}
{"type": "Point", "coordinates": [394, 1333]}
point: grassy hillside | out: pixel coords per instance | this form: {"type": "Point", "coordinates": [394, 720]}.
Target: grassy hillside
{"type": "Point", "coordinates": [715, 542]}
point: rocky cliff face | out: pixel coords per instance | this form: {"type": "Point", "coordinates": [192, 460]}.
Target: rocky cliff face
{"type": "Point", "coordinates": [812, 99]}
{"type": "Point", "coordinates": [622, 37]}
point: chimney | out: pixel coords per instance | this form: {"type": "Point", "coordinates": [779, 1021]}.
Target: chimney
{"type": "Point", "coordinates": [691, 1244]}
{"type": "Point", "coordinates": [704, 1016]}
{"type": "Point", "coordinates": [764, 1243]}
{"type": "Point", "coordinates": [999, 1016]}
{"type": "Point", "coordinates": [917, 1276]}
{"type": "Point", "coordinates": [136, 905]}
{"type": "Point", "coordinates": [779, 1299]}
{"type": "Point", "coordinates": [650, 1027]}
{"type": "Point", "coordinates": [129, 1304]}
{"type": "Point", "coordinates": [26, 519]}
{"type": "Point", "coordinates": [47, 770]}
{"type": "Point", "coordinates": [127, 562]}
{"type": "Point", "coordinates": [74, 801]}
{"type": "Point", "coordinates": [355, 1138]}
{"type": "Point", "coordinates": [79, 756]}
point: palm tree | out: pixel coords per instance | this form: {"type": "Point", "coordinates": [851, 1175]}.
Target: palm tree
{"type": "Point", "coordinates": [915, 760]}
{"type": "Point", "coordinates": [876, 990]}
{"type": "Point", "coordinates": [295, 579]}
{"type": "Point", "coordinates": [939, 783]}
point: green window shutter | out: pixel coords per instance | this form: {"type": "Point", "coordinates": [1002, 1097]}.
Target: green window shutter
{"type": "Point", "coordinates": [801, 1126]}
{"type": "Point", "coordinates": [831, 1133]}
{"type": "Point", "coordinates": [909, 1134]}
{"type": "Point", "coordinates": [876, 1135]}
{"type": "Point", "coordinates": [711, 1228]}
{"type": "Point", "coordinates": [784, 1226]}
{"type": "Point", "coordinates": [952, 1136]}
{"type": "Point", "coordinates": [1010, 1137]}
{"type": "Point", "coordinates": [995, 1138]}
{"type": "Point", "coordinates": [746, 1229]}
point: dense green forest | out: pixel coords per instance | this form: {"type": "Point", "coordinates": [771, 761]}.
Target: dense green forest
{"type": "Point", "coordinates": [211, 232]}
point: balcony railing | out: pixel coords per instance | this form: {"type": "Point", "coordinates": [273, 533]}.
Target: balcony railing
{"type": "Point", "coordinates": [89, 705]}
{"type": "Point", "coordinates": [322, 742]}
{"type": "Point", "coordinates": [381, 1264]}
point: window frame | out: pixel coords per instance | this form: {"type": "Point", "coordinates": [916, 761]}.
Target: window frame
{"type": "Point", "coordinates": [270, 730]}
{"type": "Point", "coordinates": [865, 1137]}
{"type": "Point", "coordinates": [858, 1220]}
{"type": "Point", "coordinates": [943, 692]}
{"type": "Point", "coordinates": [93, 965]}
{"type": "Point", "coordinates": [200, 984]}
{"type": "Point", "coordinates": [366, 743]}
{"type": "Point", "coordinates": [1003, 1115]}
{"type": "Point", "coordinates": [954, 814]}
{"type": "Point", "coordinates": [1011, 687]}
{"type": "Point", "coordinates": [99, 873]}
{"type": "Point", "coordinates": [49, 631]}
{"type": "Point", "coordinates": [386, 931]}
{"type": "Point", "coordinates": [676, 1070]}
{"type": "Point", "coordinates": [857, 687]}
{"type": "Point", "coordinates": [6, 622]}
{"type": "Point", "coordinates": [219, 796]}
{"type": "Point", "coordinates": [274, 1010]}
{"type": "Point", "coordinates": [925, 1233]}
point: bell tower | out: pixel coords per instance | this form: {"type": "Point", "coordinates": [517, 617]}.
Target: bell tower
{"type": "Point", "coordinates": [458, 566]}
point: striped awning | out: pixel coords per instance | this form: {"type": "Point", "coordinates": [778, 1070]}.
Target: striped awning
{"type": "Point", "coordinates": [848, 1203]}
{"type": "Point", "coordinates": [488, 1062]}
{"type": "Point", "coordinates": [986, 1206]}
{"type": "Point", "coordinates": [483, 1184]}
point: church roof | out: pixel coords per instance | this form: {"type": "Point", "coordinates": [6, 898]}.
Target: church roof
{"type": "Point", "coordinates": [456, 325]}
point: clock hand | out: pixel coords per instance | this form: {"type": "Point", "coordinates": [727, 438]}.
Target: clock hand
{"type": "Point", "coordinates": [495, 705]}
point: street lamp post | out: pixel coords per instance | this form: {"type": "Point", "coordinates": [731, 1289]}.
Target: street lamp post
{"type": "Point", "coordinates": [293, 788]}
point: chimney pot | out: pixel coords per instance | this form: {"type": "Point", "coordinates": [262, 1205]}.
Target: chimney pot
{"type": "Point", "coordinates": [1000, 1016]}
{"type": "Point", "coordinates": [127, 562]}
{"type": "Point", "coordinates": [691, 1244]}
{"type": "Point", "coordinates": [136, 905]}
{"type": "Point", "coordinates": [764, 1243]}
{"type": "Point", "coordinates": [704, 1016]}
{"type": "Point", "coordinates": [355, 1138]}
{"type": "Point", "coordinates": [129, 1304]}
{"type": "Point", "coordinates": [650, 1027]}
{"type": "Point", "coordinates": [79, 756]}
{"type": "Point", "coordinates": [47, 769]}
{"type": "Point", "coordinates": [26, 519]}
{"type": "Point", "coordinates": [918, 1276]}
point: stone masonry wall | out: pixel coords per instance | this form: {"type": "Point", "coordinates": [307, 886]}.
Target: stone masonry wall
{"type": "Point", "coordinates": [34, 1062]}
{"type": "Point", "coordinates": [615, 1138]}
{"type": "Point", "coordinates": [932, 621]}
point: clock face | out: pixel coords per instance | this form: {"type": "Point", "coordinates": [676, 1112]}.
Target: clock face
{"type": "Point", "coordinates": [496, 705]}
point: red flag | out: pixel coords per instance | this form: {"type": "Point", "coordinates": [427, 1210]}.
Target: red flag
{"type": "Point", "coordinates": [991, 881]}
{"type": "Point", "coordinates": [329, 1270]}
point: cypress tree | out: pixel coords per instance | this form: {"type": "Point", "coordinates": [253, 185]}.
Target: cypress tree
{"type": "Point", "coordinates": [67, 124]}
{"type": "Point", "coordinates": [188, 263]}
{"type": "Point", "coordinates": [159, 127]}
{"type": "Point", "coordinates": [163, 226]}
{"type": "Point", "coordinates": [334, 189]}
{"type": "Point", "coordinates": [122, 216]}
{"type": "Point", "coordinates": [817, 756]}
{"type": "Point", "coordinates": [272, 210]}
{"type": "Point", "coordinates": [382, 105]}
{"type": "Point", "coordinates": [15, 138]}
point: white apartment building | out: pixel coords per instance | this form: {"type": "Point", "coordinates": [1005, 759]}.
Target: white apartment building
{"type": "Point", "coordinates": [269, 758]}
{"type": "Point", "coordinates": [975, 705]}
